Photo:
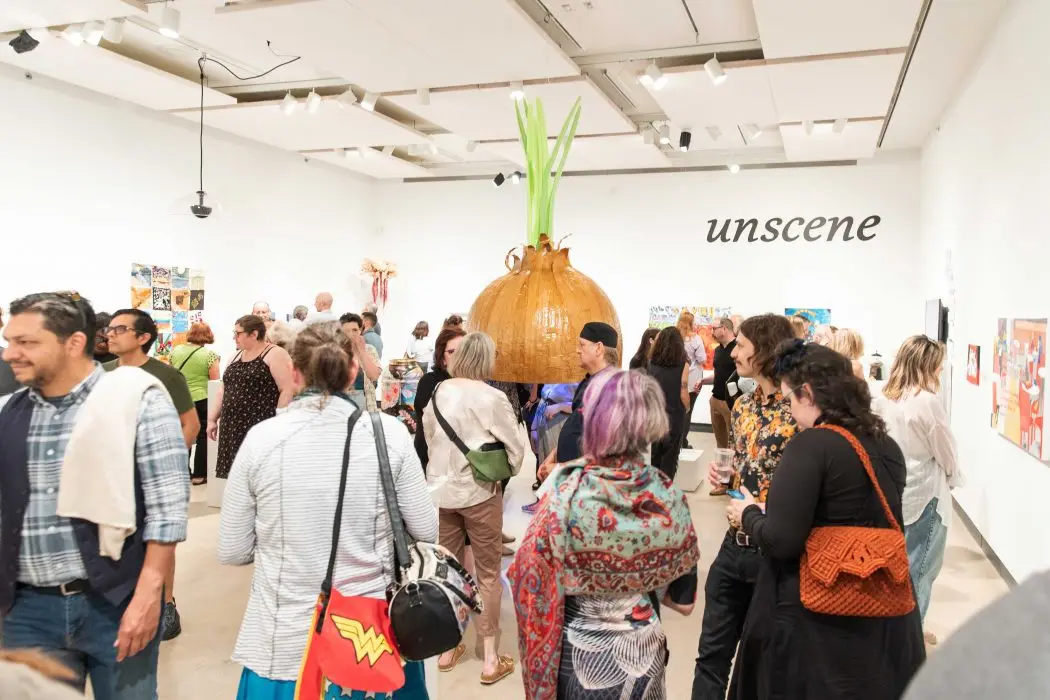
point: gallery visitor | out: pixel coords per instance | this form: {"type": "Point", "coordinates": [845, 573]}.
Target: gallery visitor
{"type": "Point", "coordinates": [322, 309]}
{"type": "Point", "coordinates": [669, 366]}
{"type": "Point", "coordinates": [465, 411]}
{"type": "Point", "coordinates": [261, 310]}
{"type": "Point", "coordinates": [850, 343]}
{"type": "Point", "coordinates": [916, 419]}
{"type": "Point", "coordinates": [788, 650]}
{"type": "Point", "coordinates": [722, 399]}
{"type": "Point", "coordinates": [445, 347]}
{"type": "Point", "coordinates": [762, 428]}
{"type": "Point", "coordinates": [8, 383]}
{"type": "Point", "coordinates": [282, 334]}
{"type": "Point", "coordinates": [256, 383]}
{"type": "Point", "coordinates": [198, 365]}
{"type": "Point", "coordinates": [369, 321]}
{"type": "Point", "coordinates": [589, 634]}
{"type": "Point", "coordinates": [367, 360]}
{"type": "Point", "coordinates": [273, 516]}
{"type": "Point", "coordinates": [420, 347]}
{"type": "Point", "coordinates": [641, 356]}
{"type": "Point", "coordinates": [97, 448]}
{"type": "Point", "coordinates": [696, 356]}
{"type": "Point", "coordinates": [102, 353]}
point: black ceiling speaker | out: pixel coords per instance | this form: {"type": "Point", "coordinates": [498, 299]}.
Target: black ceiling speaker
{"type": "Point", "coordinates": [684, 140]}
{"type": "Point", "coordinates": [23, 43]}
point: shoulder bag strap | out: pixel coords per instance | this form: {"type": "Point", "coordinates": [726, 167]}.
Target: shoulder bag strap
{"type": "Point", "coordinates": [326, 585]}
{"type": "Point", "coordinates": [402, 558]}
{"type": "Point", "coordinates": [183, 363]}
{"type": "Point", "coordinates": [448, 428]}
{"type": "Point", "coordinates": [866, 461]}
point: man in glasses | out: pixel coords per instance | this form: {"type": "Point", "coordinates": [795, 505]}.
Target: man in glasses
{"type": "Point", "coordinates": [80, 586]}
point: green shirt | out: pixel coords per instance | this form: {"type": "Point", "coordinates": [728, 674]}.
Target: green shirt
{"type": "Point", "coordinates": [170, 377]}
{"type": "Point", "coordinates": [194, 366]}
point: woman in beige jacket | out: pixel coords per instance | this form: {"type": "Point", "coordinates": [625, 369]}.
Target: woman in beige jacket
{"type": "Point", "coordinates": [478, 414]}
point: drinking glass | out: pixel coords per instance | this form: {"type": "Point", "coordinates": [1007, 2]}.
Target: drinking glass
{"type": "Point", "coordinates": [724, 464]}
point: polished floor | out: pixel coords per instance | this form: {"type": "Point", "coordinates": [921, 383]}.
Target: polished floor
{"type": "Point", "coordinates": [211, 598]}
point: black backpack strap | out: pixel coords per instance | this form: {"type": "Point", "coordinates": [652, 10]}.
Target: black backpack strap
{"type": "Point", "coordinates": [402, 557]}
{"type": "Point", "coordinates": [326, 585]}
{"type": "Point", "coordinates": [448, 428]}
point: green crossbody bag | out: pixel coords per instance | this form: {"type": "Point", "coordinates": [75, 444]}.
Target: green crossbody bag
{"type": "Point", "coordinates": [489, 462]}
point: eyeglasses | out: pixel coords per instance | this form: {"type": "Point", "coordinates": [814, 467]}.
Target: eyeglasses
{"type": "Point", "coordinates": [237, 334]}
{"type": "Point", "coordinates": [115, 330]}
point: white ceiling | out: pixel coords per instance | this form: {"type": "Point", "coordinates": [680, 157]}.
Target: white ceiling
{"type": "Point", "coordinates": [787, 61]}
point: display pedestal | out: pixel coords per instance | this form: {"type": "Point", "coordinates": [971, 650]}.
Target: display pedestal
{"type": "Point", "coordinates": [430, 669]}
{"type": "Point", "coordinates": [690, 471]}
{"type": "Point", "coordinates": [215, 486]}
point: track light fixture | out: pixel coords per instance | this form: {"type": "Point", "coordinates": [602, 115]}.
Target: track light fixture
{"type": "Point", "coordinates": [665, 134]}
{"type": "Point", "coordinates": [93, 32]}
{"type": "Point", "coordinates": [347, 99]}
{"type": "Point", "coordinates": [653, 77]}
{"type": "Point", "coordinates": [714, 132]}
{"type": "Point", "coordinates": [361, 152]}
{"type": "Point", "coordinates": [113, 32]}
{"type": "Point", "coordinates": [684, 139]}
{"type": "Point", "coordinates": [288, 104]}
{"type": "Point", "coordinates": [807, 126]}
{"type": "Point", "coordinates": [388, 151]}
{"type": "Point", "coordinates": [648, 136]}
{"type": "Point", "coordinates": [170, 20]}
{"type": "Point", "coordinates": [517, 91]}
{"type": "Point", "coordinates": [472, 146]}
{"type": "Point", "coordinates": [23, 43]}
{"type": "Point", "coordinates": [499, 179]}
{"type": "Point", "coordinates": [840, 126]}
{"type": "Point", "coordinates": [313, 102]}
{"type": "Point", "coordinates": [368, 102]}
{"type": "Point", "coordinates": [423, 95]}
{"type": "Point", "coordinates": [515, 178]}
{"type": "Point", "coordinates": [715, 71]}
{"type": "Point", "coordinates": [752, 132]}
{"type": "Point", "coordinates": [341, 152]}
{"type": "Point", "coordinates": [74, 34]}
{"type": "Point", "coordinates": [734, 168]}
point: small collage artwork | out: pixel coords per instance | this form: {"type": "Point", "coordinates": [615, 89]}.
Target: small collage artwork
{"type": "Point", "coordinates": [173, 297]}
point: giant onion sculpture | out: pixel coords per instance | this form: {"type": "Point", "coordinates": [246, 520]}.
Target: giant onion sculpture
{"type": "Point", "coordinates": [535, 312]}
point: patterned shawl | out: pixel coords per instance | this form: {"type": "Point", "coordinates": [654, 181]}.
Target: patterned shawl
{"type": "Point", "coordinates": [616, 528]}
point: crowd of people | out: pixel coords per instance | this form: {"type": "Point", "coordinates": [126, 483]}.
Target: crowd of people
{"type": "Point", "coordinates": [96, 468]}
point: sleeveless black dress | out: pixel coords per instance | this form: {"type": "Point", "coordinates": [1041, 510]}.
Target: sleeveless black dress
{"type": "Point", "coordinates": [249, 396]}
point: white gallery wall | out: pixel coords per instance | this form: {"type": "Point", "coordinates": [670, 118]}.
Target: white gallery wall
{"type": "Point", "coordinates": [644, 239]}
{"type": "Point", "coordinates": [88, 185]}
{"type": "Point", "coordinates": [985, 183]}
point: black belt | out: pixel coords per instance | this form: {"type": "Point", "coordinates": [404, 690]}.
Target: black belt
{"type": "Point", "coordinates": [66, 589]}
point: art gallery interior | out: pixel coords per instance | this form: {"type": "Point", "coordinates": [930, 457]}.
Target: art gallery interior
{"type": "Point", "coordinates": [890, 154]}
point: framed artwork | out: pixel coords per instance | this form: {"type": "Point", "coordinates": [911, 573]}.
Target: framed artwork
{"type": "Point", "coordinates": [170, 295]}
{"type": "Point", "coordinates": [704, 320]}
{"type": "Point", "coordinates": [973, 364]}
{"type": "Point", "coordinates": [816, 317]}
{"type": "Point", "coordinates": [1019, 383]}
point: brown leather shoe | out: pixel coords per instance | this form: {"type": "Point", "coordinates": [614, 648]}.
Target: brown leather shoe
{"type": "Point", "coordinates": [720, 491]}
{"type": "Point", "coordinates": [507, 539]}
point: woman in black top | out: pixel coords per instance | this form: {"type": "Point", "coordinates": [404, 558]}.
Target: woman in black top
{"type": "Point", "coordinates": [641, 358]}
{"type": "Point", "coordinates": [444, 347]}
{"type": "Point", "coordinates": [669, 368]}
{"type": "Point", "coordinates": [786, 650]}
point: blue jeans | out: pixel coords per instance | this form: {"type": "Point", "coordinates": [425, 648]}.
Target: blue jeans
{"type": "Point", "coordinates": [79, 630]}
{"type": "Point", "coordinates": [926, 539]}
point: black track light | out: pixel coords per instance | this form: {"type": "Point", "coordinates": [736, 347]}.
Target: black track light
{"type": "Point", "coordinates": [515, 177]}
{"type": "Point", "coordinates": [499, 179]}
{"type": "Point", "coordinates": [684, 140]}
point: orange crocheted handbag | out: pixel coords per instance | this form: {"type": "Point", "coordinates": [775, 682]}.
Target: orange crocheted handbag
{"type": "Point", "coordinates": [857, 571]}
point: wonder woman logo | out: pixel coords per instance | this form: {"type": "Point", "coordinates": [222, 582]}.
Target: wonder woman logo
{"type": "Point", "coordinates": [366, 642]}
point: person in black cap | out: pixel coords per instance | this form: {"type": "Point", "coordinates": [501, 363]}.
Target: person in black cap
{"type": "Point", "coordinates": [597, 350]}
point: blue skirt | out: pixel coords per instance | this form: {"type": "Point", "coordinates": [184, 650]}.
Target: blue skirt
{"type": "Point", "coordinates": [255, 687]}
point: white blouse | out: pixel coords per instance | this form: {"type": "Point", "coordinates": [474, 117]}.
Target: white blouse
{"type": "Point", "coordinates": [696, 356]}
{"type": "Point", "coordinates": [420, 349]}
{"type": "Point", "coordinates": [920, 426]}
{"type": "Point", "coordinates": [278, 510]}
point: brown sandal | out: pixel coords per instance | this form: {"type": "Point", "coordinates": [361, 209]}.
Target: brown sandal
{"type": "Point", "coordinates": [504, 667]}
{"type": "Point", "coordinates": [457, 654]}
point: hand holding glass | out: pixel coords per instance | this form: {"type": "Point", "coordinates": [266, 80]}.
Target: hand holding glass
{"type": "Point", "coordinates": [724, 464]}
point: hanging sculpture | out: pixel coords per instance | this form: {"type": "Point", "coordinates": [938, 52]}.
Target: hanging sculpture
{"type": "Point", "coordinates": [380, 272]}
{"type": "Point", "coordinates": [535, 312]}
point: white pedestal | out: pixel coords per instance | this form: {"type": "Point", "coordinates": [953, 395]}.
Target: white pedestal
{"type": "Point", "coordinates": [215, 486]}
{"type": "Point", "coordinates": [690, 471]}
{"type": "Point", "coordinates": [430, 670]}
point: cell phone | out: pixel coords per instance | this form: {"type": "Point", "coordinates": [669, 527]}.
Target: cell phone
{"type": "Point", "coordinates": [735, 494]}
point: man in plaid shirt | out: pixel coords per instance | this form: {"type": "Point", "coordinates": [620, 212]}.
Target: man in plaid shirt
{"type": "Point", "coordinates": [57, 592]}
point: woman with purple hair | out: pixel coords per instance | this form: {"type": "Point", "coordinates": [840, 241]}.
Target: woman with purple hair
{"type": "Point", "coordinates": [609, 530]}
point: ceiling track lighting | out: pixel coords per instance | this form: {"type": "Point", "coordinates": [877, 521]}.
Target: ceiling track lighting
{"type": "Point", "coordinates": [684, 139]}
{"type": "Point", "coordinates": [288, 104]}
{"type": "Point", "coordinates": [714, 132]}
{"type": "Point", "coordinates": [715, 71]}
{"type": "Point", "coordinates": [24, 42]}
{"type": "Point", "coordinates": [313, 102]}
{"type": "Point", "coordinates": [347, 99]}
{"type": "Point", "coordinates": [92, 33]}
{"type": "Point", "coordinates": [362, 151]}
{"type": "Point", "coordinates": [423, 95]}
{"type": "Point", "coordinates": [665, 134]}
{"type": "Point", "coordinates": [472, 146]}
{"type": "Point", "coordinates": [517, 91]}
{"type": "Point", "coordinates": [74, 34]}
{"type": "Point", "coordinates": [170, 20]}
{"type": "Point", "coordinates": [515, 178]}
{"type": "Point", "coordinates": [733, 168]}
{"type": "Point", "coordinates": [648, 136]}
{"type": "Point", "coordinates": [807, 126]}
{"type": "Point", "coordinates": [498, 180]}
{"type": "Point", "coordinates": [341, 152]}
{"type": "Point", "coordinates": [751, 132]}
{"type": "Point", "coordinates": [840, 126]}
{"type": "Point", "coordinates": [388, 151]}
{"type": "Point", "coordinates": [369, 101]}
{"type": "Point", "coordinates": [653, 77]}
{"type": "Point", "coordinates": [113, 32]}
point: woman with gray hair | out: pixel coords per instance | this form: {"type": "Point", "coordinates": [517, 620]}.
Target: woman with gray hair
{"type": "Point", "coordinates": [465, 412]}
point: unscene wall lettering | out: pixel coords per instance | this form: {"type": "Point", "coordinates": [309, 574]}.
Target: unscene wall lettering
{"type": "Point", "coordinates": [829, 229]}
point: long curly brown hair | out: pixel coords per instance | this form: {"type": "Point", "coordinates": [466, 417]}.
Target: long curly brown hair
{"type": "Point", "coordinates": [843, 398]}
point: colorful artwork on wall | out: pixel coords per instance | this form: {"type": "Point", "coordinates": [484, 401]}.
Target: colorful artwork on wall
{"type": "Point", "coordinates": [173, 297]}
{"type": "Point", "coordinates": [1019, 383]}
{"type": "Point", "coordinates": [816, 317]}
{"type": "Point", "coordinates": [704, 320]}
{"type": "Point", "coordinates": [973, 364]}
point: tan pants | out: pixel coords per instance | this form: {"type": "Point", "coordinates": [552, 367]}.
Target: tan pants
{"type": "Point", "coordinates": [721, 421]}
{"type": "Point", "coordinates": [484, 524]}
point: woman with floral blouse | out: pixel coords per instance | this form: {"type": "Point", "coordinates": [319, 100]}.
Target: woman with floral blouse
{"type": "Point", "coordinates": [762, 426]}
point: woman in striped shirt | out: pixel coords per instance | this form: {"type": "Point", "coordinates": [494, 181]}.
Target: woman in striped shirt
{"type": "Point", "coordinates": [279, 504]}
